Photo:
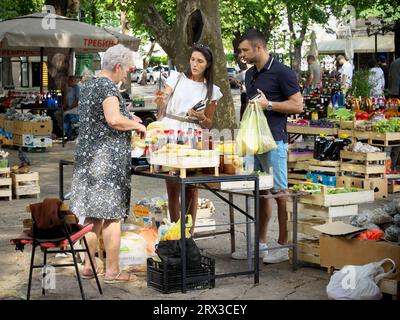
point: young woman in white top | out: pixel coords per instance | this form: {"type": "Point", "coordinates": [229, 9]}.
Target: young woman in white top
{"type": "Point", "coordinates": [182, 91]}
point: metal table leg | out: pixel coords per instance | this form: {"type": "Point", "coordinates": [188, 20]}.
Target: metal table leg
{"type": "Point", "coordinates": [256, 231]}
{"type": "Point", "coordinates": [183, 239]}
{"type": "Point", "coordinates": [294, 240]}
{"type": "Point", "coordinates": [248, 238]}
{"type": "Point", "coordinates": [232, 226]}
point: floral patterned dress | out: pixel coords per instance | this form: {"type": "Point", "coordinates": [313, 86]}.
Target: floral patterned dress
{"type": "Point", "coordinates": [101, 182]}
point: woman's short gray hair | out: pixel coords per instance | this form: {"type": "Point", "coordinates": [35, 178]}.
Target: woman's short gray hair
{"type": "Point", "coordinates": [117, 54]}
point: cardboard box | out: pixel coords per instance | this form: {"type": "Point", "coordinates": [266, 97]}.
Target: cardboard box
{"type": "Point", "coordinates": [8, 125]}
{"type": "Point", "coordinates": [35, 141]}
{"type": "Point", "coordinates": [41, 128]}
{"type": "Point", "coordinates": [338, 251]}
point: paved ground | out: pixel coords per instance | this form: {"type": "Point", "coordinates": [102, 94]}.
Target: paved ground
{"type": "Point", "coordinates": [276, 281]}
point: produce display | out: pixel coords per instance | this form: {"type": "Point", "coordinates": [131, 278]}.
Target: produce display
{"type": "Point", "coordinates": [342, 114]}
{"type": "Point", "coordinates": [322, 123]}
{"type": "Point", "coordinates": [392, 125]}
{"type": "Point", "coordinates": [316, 189]}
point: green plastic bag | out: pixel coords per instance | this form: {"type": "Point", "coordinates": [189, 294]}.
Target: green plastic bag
{"type": "Point", "coordinates": [254, 136]}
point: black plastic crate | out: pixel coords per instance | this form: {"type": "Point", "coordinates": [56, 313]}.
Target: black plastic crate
{"type": "Point", "coordinates": [167, 279]}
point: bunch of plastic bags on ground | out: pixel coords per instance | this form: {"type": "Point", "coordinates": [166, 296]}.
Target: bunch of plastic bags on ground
{"type": "Point", "coordinates": [254, 136]}
{"type": "Point", "coordinates": [384, 222]}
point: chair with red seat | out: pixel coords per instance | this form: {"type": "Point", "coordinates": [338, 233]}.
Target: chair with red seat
{"type": "Point", "coordinates": [63, 244]}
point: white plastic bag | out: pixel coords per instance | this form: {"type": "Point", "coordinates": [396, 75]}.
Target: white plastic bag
{"type": "Point", "coordinates": [133, 250]}
{"type": "Point", "coordinates": [358, 282]}
{"type": "Point", "coordinates": [254, 135]}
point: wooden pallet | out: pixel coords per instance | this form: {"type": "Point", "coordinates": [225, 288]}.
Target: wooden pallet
{"type": "Point", "coordinates": [5, 188]}
{"type": "Point", "coordinates": [26, 184]}
{"type": "Point", "coordinates": [327, 214]}
{"type": "Point", "coordinates": [388, 139]}
{"type": "Point", "coordinates": [378, 185]}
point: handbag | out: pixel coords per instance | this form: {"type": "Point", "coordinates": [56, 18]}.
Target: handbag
{"type": "Point", "coordinates": [170, 252]}
{"type": "Point", "coordinates": [162, 110]}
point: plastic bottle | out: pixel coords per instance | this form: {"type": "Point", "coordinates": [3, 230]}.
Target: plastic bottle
{"type": "Point", "coordinates": [180, 139]}
{"type": "Point", "coordinates": [171, 137]}
{"type": "Point", "coordinates": [199, 140]}
{"type": "Point", "coordinates": [318, 145]}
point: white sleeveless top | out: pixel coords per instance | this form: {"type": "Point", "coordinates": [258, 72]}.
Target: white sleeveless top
{"type": "Point", "coordinates": [186, 94]}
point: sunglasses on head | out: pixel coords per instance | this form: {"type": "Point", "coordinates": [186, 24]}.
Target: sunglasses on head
{"type": "Point", "coordinates": [200, 45]}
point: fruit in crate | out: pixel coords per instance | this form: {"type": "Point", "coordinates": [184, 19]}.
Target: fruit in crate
{"type": "Point", "coordinates": [299, 123]}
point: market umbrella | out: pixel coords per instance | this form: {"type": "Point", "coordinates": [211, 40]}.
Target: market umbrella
{"type": "Point", "coordinates": [33, 34]}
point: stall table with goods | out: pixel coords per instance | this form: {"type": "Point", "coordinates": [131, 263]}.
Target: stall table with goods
{"type": "Point", "coordinates": [192, 158]}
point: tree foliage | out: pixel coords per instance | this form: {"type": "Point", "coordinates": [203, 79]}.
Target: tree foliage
{"type": "Point", "coordinates": [13, 8]}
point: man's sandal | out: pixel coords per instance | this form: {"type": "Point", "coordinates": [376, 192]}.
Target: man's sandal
{"type": "Point", "coordinates": [119, 279]}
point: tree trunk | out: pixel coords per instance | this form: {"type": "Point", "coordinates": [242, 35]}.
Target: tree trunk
{"type": "Point", "coordinates": [196, 21]}
{"type": "Point", "coordinates": [146, 62]}
{"type": "Point", "coordinates": [297, 42]}
{"type": "Point", "coordinates": [125, 30]}
{"type": "Point", "coordinates": [397, 40]}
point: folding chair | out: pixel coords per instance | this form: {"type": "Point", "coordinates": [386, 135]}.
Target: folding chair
{"type": "Point", "coordinates": [60, 244]}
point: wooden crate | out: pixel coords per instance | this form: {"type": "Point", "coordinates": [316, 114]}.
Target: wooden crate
{"type": "Point", "coordinates": [307, 251]}
{"type": "Point", "coordinates": [298, 166]}
{"type": "Point", "coordinates": [388, 139]}
{"type": "Point", "coordinates": [182, 163]}
{"type": "Point", "coordinates": [294, 156]}
{"type": "Point", "coordinates": [304, 226]}
{"type": "Point", "coordinates": [266, 182]}
{"type": "Point", "coordinates": [324, 166]}
{"type": "Point", "coordinates": [5, 172]}
{"type": "Point", "coordinates": [391, 286]}
{"type": "Point", "coordinates": [327, 200]}
{"type": "Point", "coordinates": [364, 157]}
{"type": "Point", "coordinates": [378, 185]}
{"type": "Point", "coordinates": [350, 124]}
{"type": "Point", "coordinates": [365, 165]}
{"type": "Point", "coordinates": [393, 187]}
{"type": "Point", "coordinates": [5, 188]}
{"type": "Point", "coordinates": [311, 130]}
{"type": "Point", "coordinates": [309, 211]}
{"type": "Point", "coordinates": [26, 184]}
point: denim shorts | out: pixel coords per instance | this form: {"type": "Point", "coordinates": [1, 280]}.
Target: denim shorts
{"type": "Point", "coordinates": [275, 159]}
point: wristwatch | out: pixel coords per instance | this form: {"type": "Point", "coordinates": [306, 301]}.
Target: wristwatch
{"type": "Point", "coordinates": [269, 106]}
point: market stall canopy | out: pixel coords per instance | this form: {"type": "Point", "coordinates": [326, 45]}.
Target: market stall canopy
{"type": "Point", "coordinates": [25, 35]}
{"type": "Point", "coordinates": [359, 44]}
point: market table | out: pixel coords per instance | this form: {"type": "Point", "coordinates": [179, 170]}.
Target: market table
{"type": "Point", "coordinates": [207, 182]}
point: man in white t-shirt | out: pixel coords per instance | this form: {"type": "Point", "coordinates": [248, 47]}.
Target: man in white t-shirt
{"type": "Point", "coordinates": [346, 73]}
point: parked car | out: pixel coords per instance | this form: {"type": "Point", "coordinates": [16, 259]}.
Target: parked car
{"type": "Point", "coordinates": [137, 74]}
{"type": "Point", "coordinates": [232, 77]}
{"type": "Point", "coordinates": [155, 75]}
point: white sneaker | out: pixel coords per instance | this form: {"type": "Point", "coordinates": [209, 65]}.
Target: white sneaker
{"type": "Point", "coordinates": [242, 255]}
{"type": "Point", "coordinates": [277, 255]}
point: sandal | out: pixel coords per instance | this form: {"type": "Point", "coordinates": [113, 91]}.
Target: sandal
{"type": "Point", "coordinates": [119, 279]}
{"type": "Point", "coordinates": [100, 272]}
